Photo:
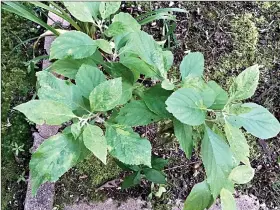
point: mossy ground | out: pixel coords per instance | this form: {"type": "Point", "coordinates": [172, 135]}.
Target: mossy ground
{"type": "Point", "coordinates": [16, 88]}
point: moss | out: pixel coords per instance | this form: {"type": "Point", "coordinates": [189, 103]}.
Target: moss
{"type": "Point", "coordinates": [16, 87]}
{"type": "Point", "coordinates": [245, 38]}
{"type": "Point", "coordinates": [97, 172]}
{"type": "Point", "coordinates": [83, 181]}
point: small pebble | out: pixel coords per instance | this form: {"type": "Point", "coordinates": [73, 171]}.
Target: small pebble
{"type": "Point", "coordinates": [153, 23]}
{"type": "Point", "coordinates": [259, 167]}
{"type": "Point", "coordinates": [171, 4]}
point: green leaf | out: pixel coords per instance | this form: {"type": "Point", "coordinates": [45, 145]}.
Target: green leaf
{"type": "Point", "coordinates": [245, 84]}
{"type": "Point", "coordinates": [183, 134]}
{"type": "Point", "coordinates": [227, 200]}
{"type": "Point", "coordinates": [104, 45]}
{"type": "Point", "coordinates": [197, 83]}
{"type": "Point", "coordinates": [122, 24]}
{"type": "Point", "coordinates": [217, 160]}
{"type": "Point", "coordinates": [221, 96]}
{"type": "Point", "coordinates": [127, 146]}
{"type": "Point", "coordinates": [129, 114]}
{"type": "Point", "coordinates": [54, 157]}
{"type": "Point", "coordinates": [237, 142]}
{"type": "Point", "coordinates": [193, 63]}
{"type": "Point", "coordinates": [167, 85]}
{"type": "Point", "coordinates": [242, 174]}
{"type": "Point", "coordinates": [106, 95]}
{"type": "Point", "coordinates": [63, 91]}
{"type": "Point", "coordinates": [200, 197]}
{"type": "Point", "coordinates": [76, 130]}
{"type": "Point", "coordinates": [168, 59]}
{"type": "Point", "coordinates": [160, 95]}
{"type": "Point", "coordinates": [158, 163]}
{"type": "Point", "coordinates": [131, 180]}
{"type": "Point", "coordinates": [187, 106]}
{"type": "Point", "coordinates": [46, 111]}
{"type": "Point", "coordinates": [154, 175]}
{"type": "Point", "coordinates": [258, 121]}
{"type": "Point", "coordinates": [95, 141]}
{"type": "Point", "coordinates": [146, 50]}
{"type": "Point", "coordinates": [108, 8]}
{"type": "Point", "coordinates": [83, 11]}
{"type": "Point", "coordinates": [69, 67]}
{"type": "Point", "coordinates": [87, 78]}
{"type": "Point", "coordinates": [72, 44]}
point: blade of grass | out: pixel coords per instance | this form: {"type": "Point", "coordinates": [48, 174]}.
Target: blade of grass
{"type": "Point", "coordinates": [23, 42]}
{"type": "Point", "coordinates": [160, 16]}
{"type": "Point", "coordinates": [23, 11]}
{"type": "Point", "coordinates": [163, 10]}
{"type": "Point", "coordinates": [58, 12]}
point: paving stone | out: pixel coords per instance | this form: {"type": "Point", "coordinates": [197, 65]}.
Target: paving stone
{"type": "Point", "coordinates": [47, 130]}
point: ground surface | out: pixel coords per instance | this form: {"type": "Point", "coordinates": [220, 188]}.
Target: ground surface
{"type": "Point", "coordinates": [232, 36]}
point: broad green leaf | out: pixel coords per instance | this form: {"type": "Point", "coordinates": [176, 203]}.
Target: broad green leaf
{"type": "Point", "coordinates": [129, 114]}
{"type": "Point", "coordinates": [108, 8]}
{"type": "Point", "coordinates": [83, 11]}
{"type": "Point", "coordinates": [217, 160]}
{"type": "Point", "coordinates": [72, 44]}
{"type": "Point", "coordinates": [245, 84]}
{"type": "Point", "coordinates": [87, 78]}
{"type": "Point", "coordinates": [131, 180]}
{"type": "Point", "coordinates": [258, 121]}
{"type": "Point", "coordinates": [95, 141]}
{"type": "Point", "coordinates": [69, 67]}
{"type": "Point", "coordinates": [187, 106]}
{"type": "Point", "coordinates": [142, 46]}
{"type": "Point", "coordinates": [238, 143]}
{"type": "Point", "coordinates": [168, 59]}
{"type": "Point", "coordinates": [46, 111]}
{"type": "Point", "coordinates": [242, 174]}
{"type": "Point", "coordinates": [154, 175]}
{"type": "Point", "coordinates": [63, 91]}
{"type": "Point", "coordinates": [119, 70]}
{"type": "Point", "coordinates": [160, 95]}
{"type": "Point", "coordinates": [104, 45]}
{"type": "Point", "coordinates": [197, 83]}
{"type": "Point", "coordinates": [122, 24]}
{"type": "Point", "coordinates": [227, 200]}
{"type": "Point", "coordinates": [158, 163]}
{"type": "Point", "coordinates": [76, 130]}
{"type": "Point", "coordinates": [200, 197]}
{"type": "Point", "coordinates": [221, 96]}
{"type": "Point", "coordinates": [54, 157]}
{"type": "Point", "coordinates": [183, 134]}
{"type": "Point", "coordinates": [167, 85]}
{"type": "Point", "coordinates": [106, 95]}
{"type": "Point", "coordinates": [193, 63]}
{"type": "Point", "coordinates": [127, 146]}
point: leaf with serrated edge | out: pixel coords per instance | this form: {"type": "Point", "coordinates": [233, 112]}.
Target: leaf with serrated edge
{"type": "Point", "coordinates": [186, 105]}
{"type": "Point", "coordinates": [54, 157]}
{"type": "Point", "coordinates": [65, 92]}
{"type": "Point", "coordinates": [95, 141]}
{"type": "Point", "coordinates": [217, 160]}
{"type": "Point", "coordinates": [183, 134]}
{"type": "Point", "coordinates": [258, 121]}
{"type": "Point", "coordinates": [69, 67]}
{"type": "Point", "coordinates": [108, 8]}
{"type": "Point", "coordinates": [200, 197]}
{"type": "Point", "coordinates": [72, 44]}
{"type": "Point", "coordinates": [238, 143]}
{"type": "Point", "coordinates": [83, 11]}
{"type": "Point", "coordinates": [245, 84]}
{"type": "Point", "coordinates": [87, 78]}
{"type": "Point", "coordinates": [221, 96]}
{"type": "Point", "coordinates": [106, 95]}
{"type": "Point", "coordinates": [127, 146]}
{"type": "Point", "coordinates": [46, 111]}
{"type": "Point", "coordinates": [242, 174]}
{"type": "Point", "coordinates": [129, 114]}
{"type": "Point", "coordinates": [193, 63]}
{"type": "Point", "coordinates": [227, 200]}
